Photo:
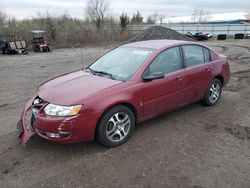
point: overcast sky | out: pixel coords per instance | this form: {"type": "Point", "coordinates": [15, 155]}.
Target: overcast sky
{"type": "Point", "coordinates": [29, 8]}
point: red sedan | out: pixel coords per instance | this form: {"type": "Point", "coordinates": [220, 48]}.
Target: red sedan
{"type": "Point", "coordinates": [130, 84]}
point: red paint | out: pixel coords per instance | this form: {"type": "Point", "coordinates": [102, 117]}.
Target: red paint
{"type": "Point", "coordinates": [97, 94]}
{"type": "Point", "coordinates": [74, 87]}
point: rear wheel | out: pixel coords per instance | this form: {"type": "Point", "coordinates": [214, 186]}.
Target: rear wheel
{"type": "Point", "coordinates": [115, 126]}
{"type": "Point", "coordinates": [213, 93]}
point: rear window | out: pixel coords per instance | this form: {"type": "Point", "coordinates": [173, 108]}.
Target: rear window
{"type": "Point", "coordinates": [193, 55]}
{"type": "Point", "coordinates": [206, 55]}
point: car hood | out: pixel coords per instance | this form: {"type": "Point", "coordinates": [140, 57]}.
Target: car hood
{"type": "Point", "coordinates": [72, 88]}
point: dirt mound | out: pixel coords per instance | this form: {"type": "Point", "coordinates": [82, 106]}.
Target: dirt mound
{"type": "Point", "coordinates": [158, 32]}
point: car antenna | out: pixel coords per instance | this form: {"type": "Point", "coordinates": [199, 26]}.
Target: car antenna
{"type": "Point", "coordinates": [85, 56]}
{"type": "Point", "coordinates": [82, 57]}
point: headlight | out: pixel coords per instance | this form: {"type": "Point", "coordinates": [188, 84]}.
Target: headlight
{"type": "Point", "coordinates": [56, 110]}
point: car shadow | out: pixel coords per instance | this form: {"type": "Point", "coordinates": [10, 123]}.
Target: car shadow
{"type": "Point", "coordinates": [163, 119]}
{"type": "Point", "coordinates": [39, 144]}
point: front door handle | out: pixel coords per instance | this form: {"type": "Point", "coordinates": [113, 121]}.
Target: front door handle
{"type": "Point", "coordinates": [179, 77]}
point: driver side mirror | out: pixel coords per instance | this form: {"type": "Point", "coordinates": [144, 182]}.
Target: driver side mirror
{"type": "Point", "coordinates": [153, 76]}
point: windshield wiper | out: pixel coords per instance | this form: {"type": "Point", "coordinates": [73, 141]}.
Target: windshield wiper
{"type": "Point", "coordinates": [91, 70]}
{"type": "Point", "coordinates": [101, 72]}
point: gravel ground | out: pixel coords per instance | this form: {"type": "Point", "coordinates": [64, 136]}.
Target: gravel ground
{"type": "Point", "coordinates": [194, 147]}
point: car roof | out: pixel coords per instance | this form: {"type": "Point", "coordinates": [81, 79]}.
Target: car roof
{"type": "Point", "coordinates": [157, 44]}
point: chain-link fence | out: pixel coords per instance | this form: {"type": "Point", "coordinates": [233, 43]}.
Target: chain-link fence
{"type": "Point", "coordinates": [214, 29]}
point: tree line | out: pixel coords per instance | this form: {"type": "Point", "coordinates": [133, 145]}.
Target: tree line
{"type": "Point", "coordinates": [98, 26]}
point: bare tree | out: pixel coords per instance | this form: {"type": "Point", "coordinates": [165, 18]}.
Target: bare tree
{"type": "Point", "coordinates": [161, 16]}
{"type": "Point", "coordinates": [200, 15]}
{"type": "Point", "coordinates": [3, 16]}
{"type": "Point", "coordinates": [157, 16]}
{"type": "Point", "coordinates": [152, 18]}
{"type": "Point", "coordinates": [96, 11]}
{"type": "Point", "coordinates": [137, 18]}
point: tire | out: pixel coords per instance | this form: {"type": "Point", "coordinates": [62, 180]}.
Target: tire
{"type": "Point", "coordinates": [213, 92]}
{"type": "Point", "coordinates": [221, 37]}
{"type": "Point", "coordinates": [239, 36]}
{"type": "Point", "coordinates": [111, 130]}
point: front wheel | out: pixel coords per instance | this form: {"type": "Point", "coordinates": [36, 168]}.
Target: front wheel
{"type": "Point", "coordinates": [213, 92]}
{"type": "Point", "coordinates": [115, 126]}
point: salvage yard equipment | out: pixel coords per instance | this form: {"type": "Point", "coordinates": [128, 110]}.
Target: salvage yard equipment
{"type": "Point", "coordinates": [40, 41]}
{"type": "Point", "coordinates": [8, 45]}
{"type": "Point", "coordinates": [200, 36]}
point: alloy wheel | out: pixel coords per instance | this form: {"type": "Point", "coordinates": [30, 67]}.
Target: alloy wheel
{"type": "Point", "coordinates": [214, 92]}
{"type": "Point", "coordinates": [118, 127]}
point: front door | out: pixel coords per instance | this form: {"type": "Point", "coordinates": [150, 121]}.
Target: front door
{"type": "Point", "coordinates": [165, 94]}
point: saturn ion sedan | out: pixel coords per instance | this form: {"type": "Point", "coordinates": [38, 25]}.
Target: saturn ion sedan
{"type": "Point", "coordinates": [128, 85]}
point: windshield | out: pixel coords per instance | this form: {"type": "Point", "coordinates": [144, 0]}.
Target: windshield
{"type": "Point", "coordinates": [120, 63]}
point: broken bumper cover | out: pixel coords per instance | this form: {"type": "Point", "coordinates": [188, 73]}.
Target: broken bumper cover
{"type": "Point", "coordinates": [55, 129]}
{"type": "Point", "coordinates": [24, 128]}
{"type": "Point", "coordinates": [19, 129]}
{"type": "Point", "coordinates": [25, 131]}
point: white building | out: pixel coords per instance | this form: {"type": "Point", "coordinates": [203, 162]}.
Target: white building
{"type": "Point", "coordinates": [222, 17]}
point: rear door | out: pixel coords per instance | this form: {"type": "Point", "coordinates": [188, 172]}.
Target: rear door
{"type": "Point", "coordinates": [198, 71]}
{"type": "Point", "coordinates": [163, 95]}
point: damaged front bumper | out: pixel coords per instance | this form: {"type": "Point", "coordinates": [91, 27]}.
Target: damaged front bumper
{"type": "Point", "coordinates": [24, 127]}
{"type": "Point", "coordinates": [34, 122]}
{"type": "Point", "coordinates": [56, 129]}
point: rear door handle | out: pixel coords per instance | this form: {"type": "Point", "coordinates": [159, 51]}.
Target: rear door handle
{"type": "Point", "coordinates": [179, 77]}
{"type": "Point", "coordinates": [208, 69]}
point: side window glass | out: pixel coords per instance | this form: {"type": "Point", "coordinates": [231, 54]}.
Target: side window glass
{"type": "Point", "coordinates": [166, 62]}
{"type": "Point", "coordinates": [193, 55]}
{"type": "Point", "coordinates": [206, 55]}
